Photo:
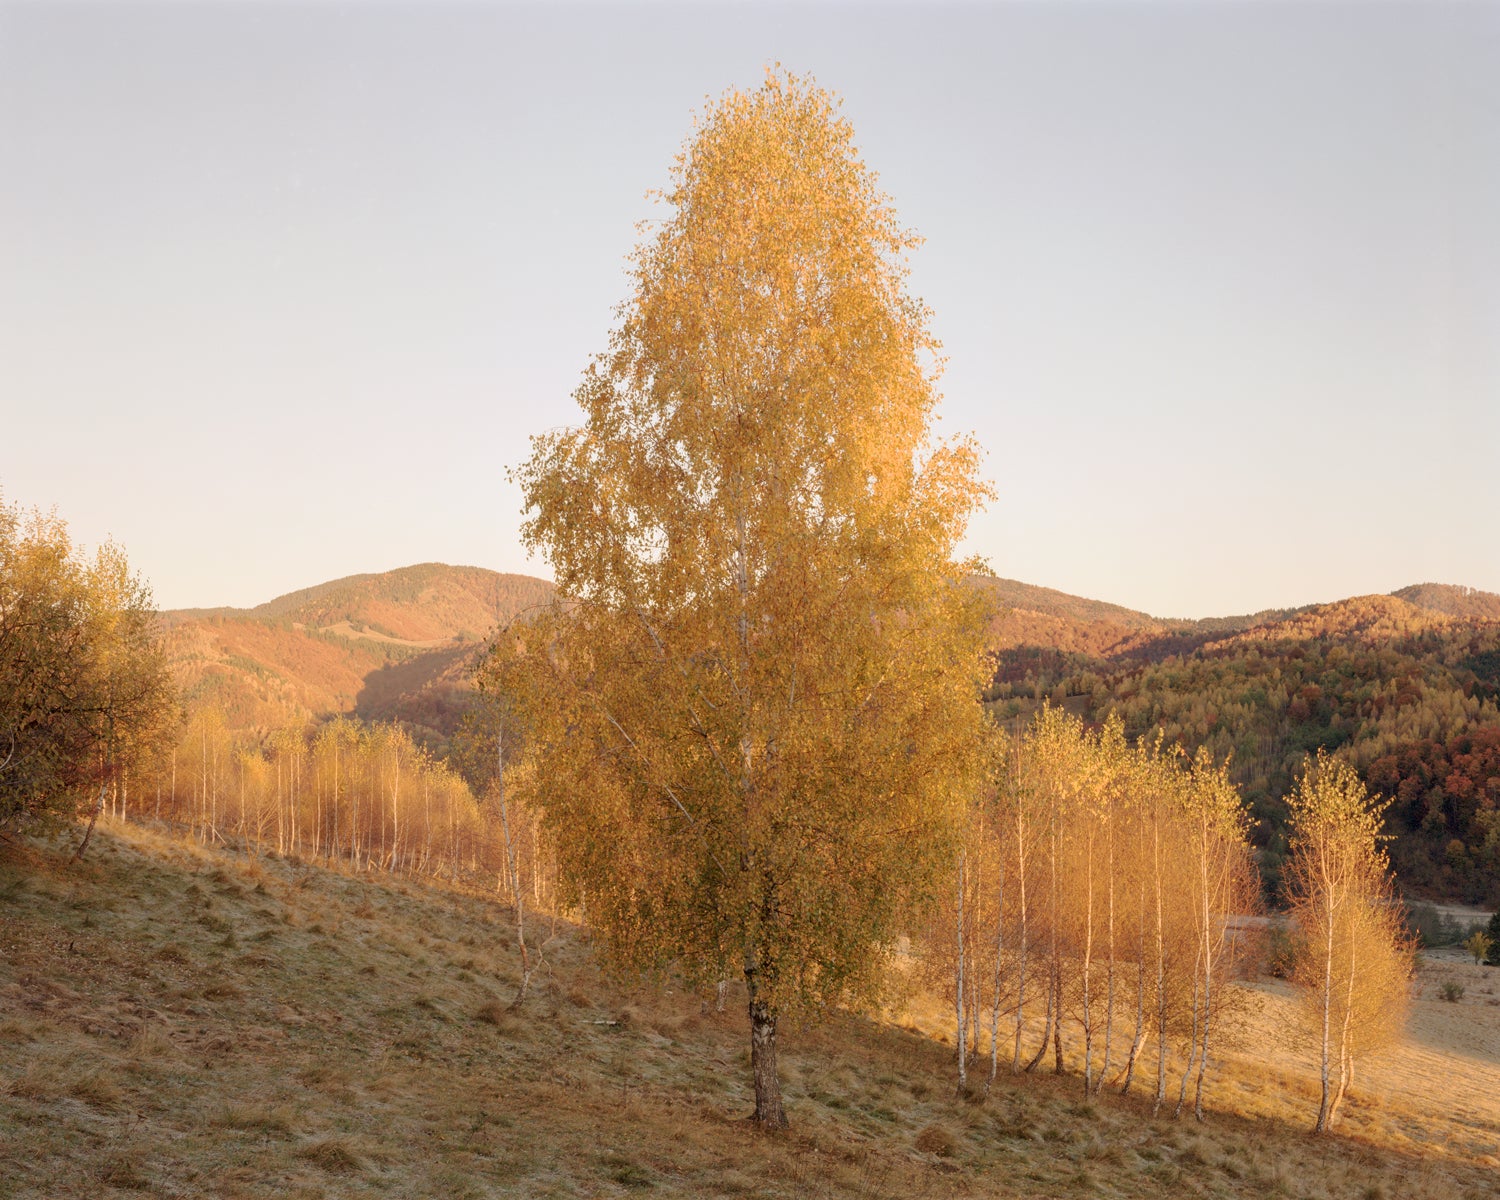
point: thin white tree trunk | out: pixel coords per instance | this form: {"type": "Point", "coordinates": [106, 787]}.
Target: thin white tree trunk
{"type": "Point", "coordinates": [1015, 1065]}
{"type": "Point", "coordinates": [999, 953]}
{"type": "Point", "coordinates": [527, 968]}
{"type": "Point", "coordinates": [1324, 1104]}
{"type": "Point", "coordinates": [1161, 964]}
{"type": "Point", "coordinates": [1138, 1042]}
{"type": "Point", "coordinates": [1109, 1000]}
{"type": "Point", "coordinates": [1187, 1073]}
{"type": "Point", "coordinates": [958, 991]}
{"type": "Point", "coordinates": [1088, 955]}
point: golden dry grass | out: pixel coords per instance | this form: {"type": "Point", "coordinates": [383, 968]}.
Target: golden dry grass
{"type": "Point", "coordinates": [179, 1021]}
{"type": "Point", "coordinates": [1435, 1096]}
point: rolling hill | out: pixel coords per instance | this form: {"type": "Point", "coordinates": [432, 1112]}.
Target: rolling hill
{"type": "Point", "coordinates": [1463, 602]}
{"type": "Point", "coordinates": [1037, 630]}
{"type": "Point", "coordinates": [387, 646]}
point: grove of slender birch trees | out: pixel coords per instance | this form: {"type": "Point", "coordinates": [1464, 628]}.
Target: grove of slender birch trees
{"type": "Point", "coordinates": [1101, 904]}
{"type": "Point", "coordinates": [365, 796]}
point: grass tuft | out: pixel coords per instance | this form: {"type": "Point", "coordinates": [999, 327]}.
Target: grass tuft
{"type": "Point", "coordinates": [123, 1169]}
{"type": "Point", "coordinates": [96, 1088]}
{"type": "Point", "coordinates": [626, 1171]}
{"type": "Point", "coordinates": [938, 1140]}
{"type": "Point", "coordinates": [333, 1154]}
{"type": "Point", "coordinates": [261, 1118]}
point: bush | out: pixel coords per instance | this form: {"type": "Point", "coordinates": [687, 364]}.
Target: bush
{"type": "Point", "coordinates": [1281, 951]}
{"type": "Point", "coordinates": [1451, 991]}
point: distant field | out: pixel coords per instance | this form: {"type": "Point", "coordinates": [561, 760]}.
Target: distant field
{"type": "Point", "coordinates": [180, 1021]}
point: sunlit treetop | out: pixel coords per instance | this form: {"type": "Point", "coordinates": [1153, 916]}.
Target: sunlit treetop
{"type": "Point", "coordinates": [769, 369]}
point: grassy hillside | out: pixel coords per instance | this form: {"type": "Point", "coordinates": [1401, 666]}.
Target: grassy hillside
{"type": "Point", "coordinates": [181, 1021]}
{"type": "Point", "coordinates": [1026, 597]}
{"type": "Point", "coordinates": [422, 602]}
{"type": "Point", "coordinates": [1040, 634]}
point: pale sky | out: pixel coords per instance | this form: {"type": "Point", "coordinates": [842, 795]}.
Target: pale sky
{"type": "Point", "coordinates": [285, 287]}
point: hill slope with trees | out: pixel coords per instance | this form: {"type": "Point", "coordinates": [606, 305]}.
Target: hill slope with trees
{"type": "Point", "coordinates": [389, 646]}
{"type": "Point", "coordinates": [1405, 687]}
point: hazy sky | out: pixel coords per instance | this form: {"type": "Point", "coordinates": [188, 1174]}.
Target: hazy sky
{"type": "Point", "coordinates": [284, 288]}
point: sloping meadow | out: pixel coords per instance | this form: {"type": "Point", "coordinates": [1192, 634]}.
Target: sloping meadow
{"type": "Point", "coordinates": [177, 1020]}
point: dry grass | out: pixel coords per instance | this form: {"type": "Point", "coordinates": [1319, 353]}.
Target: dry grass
{"type": "Point", "coordinates": [355, 1038]}
{"type": "Point", "coordinates": [1434, 1096]}
{"type": "Point", "coordinates": [935, 1139]}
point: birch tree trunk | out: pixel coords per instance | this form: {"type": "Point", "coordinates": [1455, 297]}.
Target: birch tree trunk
{"type": "Point", "coordinates": [1109, 1001]}
{"type": "Point", "coordinates": [1326, 1000]}
{"type": "Point", "coordinates": [527, 968]}
{"type": "Point", "coordinates": [1015, 1064]}
{"type": "Point", "coordinates": [999, 952]}
{"type": "Point", "coordinates": [961, 1041]}
{"type": "Point", "coordinates": [1088, 954]}
{"type": "Point", "coordinates": [770, 1114]}
{"type": "Point", "coordinates": [1161, 971]}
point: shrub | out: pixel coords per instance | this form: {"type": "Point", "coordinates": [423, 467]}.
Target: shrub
{"type": "Point", "coordinates": [1436, 928]}
{"type": "Point", "coordinates": [1451, 990]}
{"type": "Point", "coordinates": [1281, 951]}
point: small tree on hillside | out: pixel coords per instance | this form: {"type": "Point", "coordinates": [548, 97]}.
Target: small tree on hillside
{"type": "Point", "coordinates": [485, 751]}
{"type": "Point", "coordinates": [753, 719]}
{"type": "Point", "coordinates": [85, 694]}
{"type": "Point", "coordinates": [1353, 957]}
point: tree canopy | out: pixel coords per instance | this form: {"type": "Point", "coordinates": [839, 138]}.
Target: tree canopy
{"type": "Point", "coordinates": [84, 688]}
{"type": "Point", "coordinates": [752, 719]}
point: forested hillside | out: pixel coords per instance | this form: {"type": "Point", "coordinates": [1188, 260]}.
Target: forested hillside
{"type": "Point", "coordinates": [1403, 686]}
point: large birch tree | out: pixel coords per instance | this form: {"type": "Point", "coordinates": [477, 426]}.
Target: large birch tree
{"type": "Point", "coordinates": [753, 716]}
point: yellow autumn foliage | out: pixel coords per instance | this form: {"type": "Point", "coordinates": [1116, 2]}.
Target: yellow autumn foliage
{"type": "Point", "coordinates": [752, 718]}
